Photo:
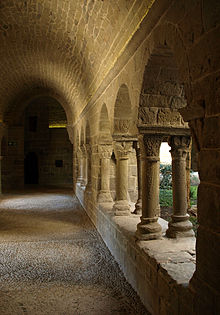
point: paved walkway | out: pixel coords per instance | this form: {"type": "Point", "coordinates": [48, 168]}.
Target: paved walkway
{"type": "Point", "coordinates": [53, 261]}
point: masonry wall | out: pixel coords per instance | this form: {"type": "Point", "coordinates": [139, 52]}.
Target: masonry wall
{"type": "Point", "coordinates": [56, 165]}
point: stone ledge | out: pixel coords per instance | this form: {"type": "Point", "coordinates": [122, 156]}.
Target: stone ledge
{"type": "Point", "coordinates": [171, 254]}
{"type": "Point", "coordinates": [157, 269]}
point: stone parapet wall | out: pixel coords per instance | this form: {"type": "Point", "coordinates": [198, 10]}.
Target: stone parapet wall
{"type": "Point", "coordinates": [159, 270]}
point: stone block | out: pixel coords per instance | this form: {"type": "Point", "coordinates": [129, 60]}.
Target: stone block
{"type": "Point", "coordinates": [208, 213]}
{"type": "Point", "coordinates": [204, 56]}
{"type": "Point", "coordinates": [211, 138]}
{"type": "Point", "coordinates": [191, 25]}
{"type": "Point", "coordinates": [208, 269]}
{"type": "Point", "coordinates": [210, 14]}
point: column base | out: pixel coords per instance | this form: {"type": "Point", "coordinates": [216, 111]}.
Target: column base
{"type": "Point", "coordinates": [148, 229]}
{"type": "Point", "coordinates": [83, 183]}
{"type": "Point", "coordinates": [88, 188]}
{"type": "Point", "coordinates": [138, 207]}
{"type": "Point", "coordinates": [104, 196]}
{"type": "Point", "coordinates": [79, 180]}
{"type": "Point", "coordinates": [122, 207]}
{"type": "Point", "coordinates": [180, 226]}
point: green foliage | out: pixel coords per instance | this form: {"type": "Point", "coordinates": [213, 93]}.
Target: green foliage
{"type": "Point", "coordinates": [166, 197]}
{"type": "Point", "coordinates": [193, 192]}
{"type": "Point", "coordinates": [166, 172]}
{"type": "Point", "coordinates": [166, 200]}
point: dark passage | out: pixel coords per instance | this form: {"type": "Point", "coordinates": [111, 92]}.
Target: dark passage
{"type": "Point", "coordinates": [31, 168]}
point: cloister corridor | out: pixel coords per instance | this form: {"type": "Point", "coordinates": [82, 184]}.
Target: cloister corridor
{"type": "Point", "coordinates": [53, 261]}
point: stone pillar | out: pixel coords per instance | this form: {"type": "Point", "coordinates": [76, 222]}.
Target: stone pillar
{"type": "Point", "coordinates": [205, 281]}
{"type": "Point", "coordinates": [80, 167]}
{"type": "Point", "coordinates": [138, 205]}
{"type": "Point", "coordinates": [149, 228]}
{"type": "Point", "coordinates": [105, 156]}
{"type": "Point", "coordinates": [188, 168]}
{"type": "Point", "coordinates": [88, 167]}
{"type": "Point", "coordinates": [122, 150]}
{"type": "Point", "coordinates": [84, 166]}
{"type": "Point", "coordinates": [180, 226]}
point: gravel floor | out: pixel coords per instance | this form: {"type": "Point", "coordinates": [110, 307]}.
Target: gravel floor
{"type": "Point", "coordinates": [53, 261]}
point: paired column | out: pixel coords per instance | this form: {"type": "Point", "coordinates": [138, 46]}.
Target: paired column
{"type": "Point", "coordinates": [122, 150]}
{"type": "Point", "coordinates": [138, 205]}
{"type": "Point", "coordinates": [105, 152]}
{"type": "Point", "coordinates": [149, 228]}
{"type": "Point", "coordinates": [180, 226]}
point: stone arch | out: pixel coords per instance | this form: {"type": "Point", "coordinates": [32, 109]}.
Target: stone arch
{"type": "Point", "coordinates": [104, 126]}
{"type": "Point", "coordinates": [15, 110]}
{"type": "Point", "coordinates": [122, 112]}
{"type": "Point", "coordinates": [159, 119]}
{"type": "Point", "coordinates": [162, 92]}
{"type": "Point", "coordinates": [168, 35]}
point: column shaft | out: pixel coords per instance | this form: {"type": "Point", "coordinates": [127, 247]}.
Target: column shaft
{"type": "Point", "coordinates": [88, 168]}
{"type": "Point", "coordinates": [104, 193]}
{"type": "Point", "coordinates": [180, 226]}
{"type": "Point", "coordinates": [122, 179]}
{"type": "Point", "coordinates": [138, 205]}
{"type": "Point", "coordinates": [149, 228]}
{"type": "Point", "coordinates": [122, 150]}
{"type": "Point", "coordinates": [105, 166]}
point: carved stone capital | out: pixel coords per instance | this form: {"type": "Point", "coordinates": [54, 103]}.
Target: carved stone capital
{"type": "Point", "coordinates": [83, 150]}
{"type": "Point", "coordinates": [79, 154]}
{"type": "Point", "coordinates": [95, 148]}
{"type": "Point", "coordinates": [122, 125]}
{"type": "Point", "coordinates": [150, 145]}
{"type": "Point", "coordinates": [180, 146]}
{"type": "Point", "coordinates": [88, 149]}
{"type": "Point", "coordinates": [122, 149]}
{"type": "Point", "coordinates": [105, 151]}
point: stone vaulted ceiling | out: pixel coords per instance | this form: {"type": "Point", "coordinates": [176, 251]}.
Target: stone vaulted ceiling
{"type": "Point", "coordinates": [64, 48]}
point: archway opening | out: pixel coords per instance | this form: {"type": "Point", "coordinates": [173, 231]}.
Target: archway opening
{"type": "Point", "coordinates": [46, 135]}
{"type": "Point", "coordinates": [162, 96]}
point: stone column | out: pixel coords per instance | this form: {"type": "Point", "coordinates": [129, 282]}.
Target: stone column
{"type": "Point", "coordinates": [188, 168]}
{"type": "Point", "coordinates": [75, 171]}
{"type": "Point", "coordinates": [138, 205]}
{"type": "Point", "coordinates": [122, 150]}
{"type": "Point", "coordinates": [84, 166]}
{"type": "Point", "coordinates": [149, 228]}
{"type": "Point", "coordinates": [80, 167]}
{"type": "Point", "coordinates": [88, 167]}
{"type": "Point", "coordinates": [180, 226]}
{"type": "Point", "coordinates": [105, 152]}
